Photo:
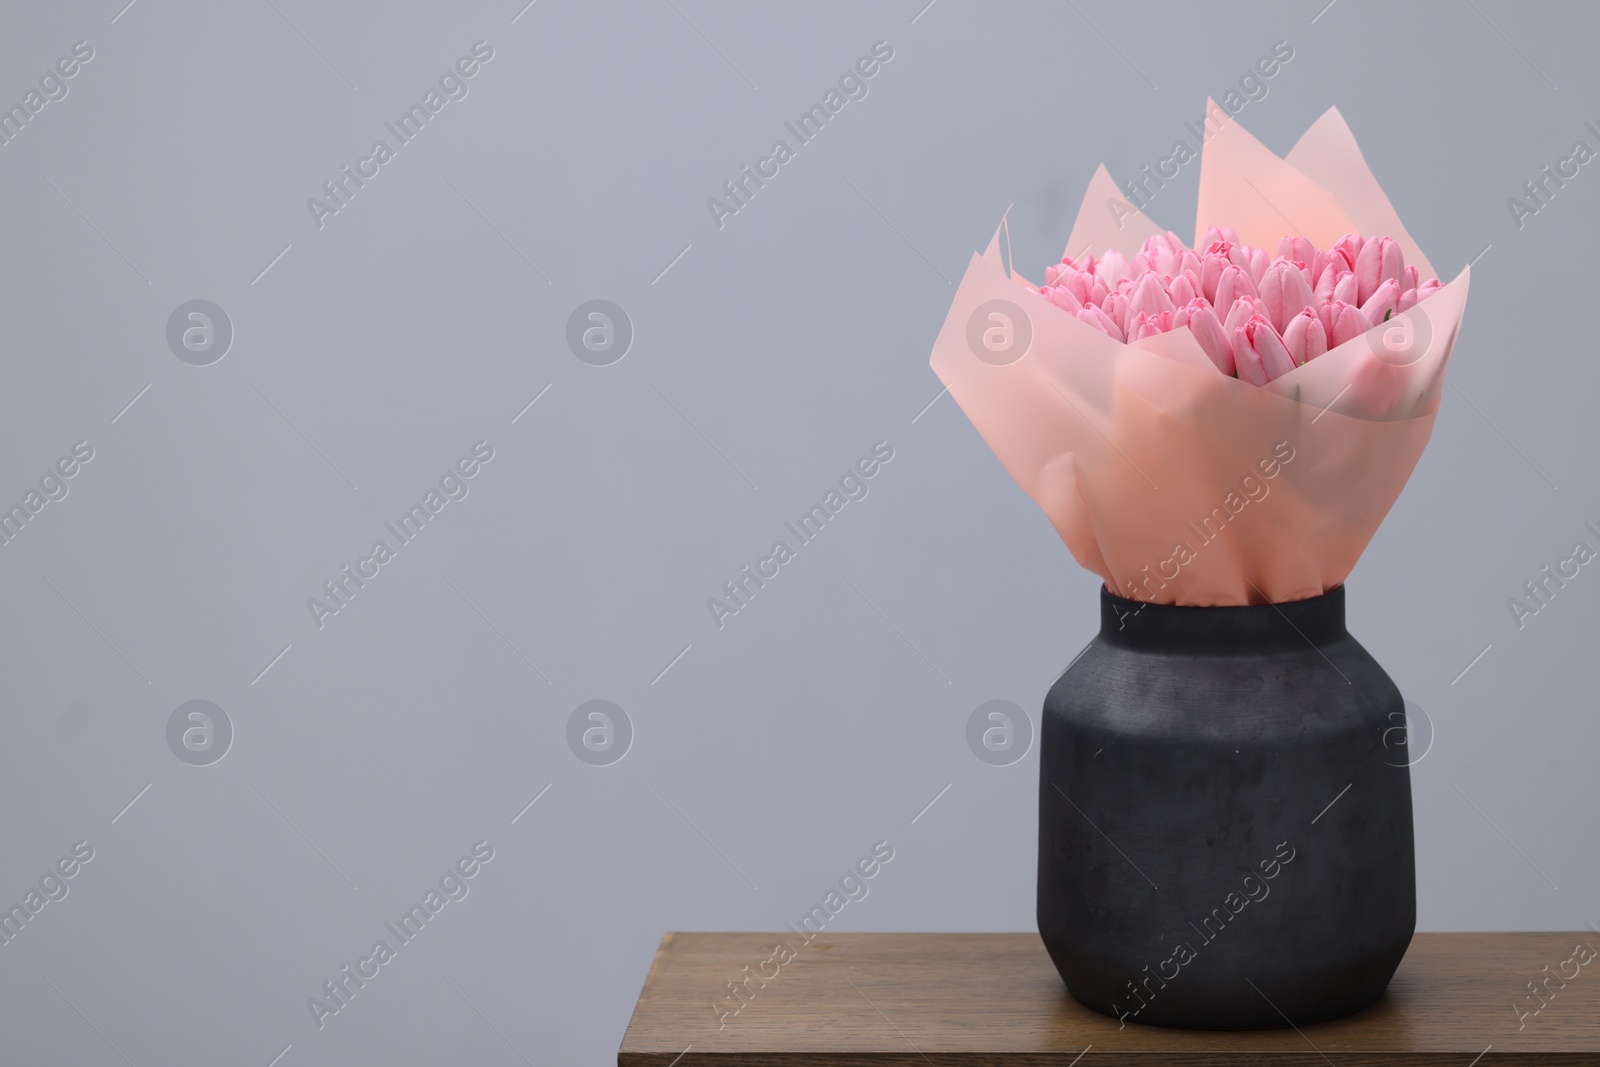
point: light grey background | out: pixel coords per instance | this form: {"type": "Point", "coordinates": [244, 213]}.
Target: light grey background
{"type": "Point", "coordinates": [827, 715]}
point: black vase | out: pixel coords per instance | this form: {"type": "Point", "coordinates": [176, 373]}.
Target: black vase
{"type": "Point", "coordinates": [1225, 832]}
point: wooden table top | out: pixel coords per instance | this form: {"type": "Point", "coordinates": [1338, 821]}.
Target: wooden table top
{"type": "Point", "coordinates": [984, 1000]}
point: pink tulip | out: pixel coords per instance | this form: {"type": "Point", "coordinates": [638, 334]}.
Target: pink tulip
{"type": "Point", "coordinates": [1149, 296]}
{"type": "Point", "coordinates": [1232, 283]}
{"type": "Point", "coordinates": [1284, 291]}
{"type": "Point", "coordinates": [1381, 304]}
{"type": "Point", "coordinates": [1297, 250]}
{"type": "Point", "coordinates": [1345, 288]}
{"type": "Point", "coordinates": [1102, 322]}
{"type": "Point", "coordinates": [1112, 268]}
{"type": "Point", "coordinates": [1368, 265]}
{"type": "Point", "coordinates": [1211, 268]}
{"type": "Point", "coordinates": [1149, 325]}
{"type": "Point", "coordinates": [1160, 253]}
{"type": "Point", "coordinates": [1321, 289]}
{"type": "Point", "coordinates": [1378, 261]}
{"type": "Point", "coordinates": [1392, 261]}
{"type": "Point", "coordinates": [1202, 322]}
{"type": "Point", "coordinates": [1062, 298]}
{"type": "Point", "coordinates": [1305, 337]}
{"type": "Point", "coordinates": [1232, 254]}
{"type": "Point", "coordinates": [1239, 313]}
{"type": "Point", "coordinates": [1348, 248]}
{"type": "Point", "coordinates": [1182, 290]}
{"type": "Point", "coordinates": [1258, 261]}
{"type": "Point", "coordinates": [1072, 279]}
{"type": "Point", "coordinates": [1084, 264]}
{"type": "Point", "coordinates": [1258, 352]}
{"type": "Point", "coordinates": [1169, 240]}
{"type": "Point", "coordinates": [1412, 297]}
{"type": "Point", "coordinates": [1342, 322]}
{"type": "Point", "coordinates": [1116, 306]}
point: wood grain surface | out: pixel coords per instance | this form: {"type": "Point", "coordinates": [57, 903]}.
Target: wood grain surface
{"type": "Point", "coordinates": [984, 1000]}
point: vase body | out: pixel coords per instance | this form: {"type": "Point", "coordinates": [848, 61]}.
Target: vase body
{"type": "Point", "coordinates": [1225, 837]}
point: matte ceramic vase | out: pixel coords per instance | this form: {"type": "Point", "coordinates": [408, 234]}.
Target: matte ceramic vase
{"type": "Point", "coordinates": [1225, 834]}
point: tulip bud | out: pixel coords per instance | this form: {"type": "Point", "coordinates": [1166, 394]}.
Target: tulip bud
{"type": "Point", "coordinates": [1102, 322]}
{"type": "Point", "coordinates": [1239, 313]}
{"type": "Point", "coordinates": [1322, 288]}
{"type": "Point", "coordinates": [1259, 353]}
{"type": "Point", "coordinates": [1112, 268]}
{"type": "Point", "coordinates": [1348, 248]}
{"type": "Point", "coordinates": [1381, 304]}
{"type": "Point", "coordinates": [1161, 252]}
{"type": "Point", "coordinates": [1149, 295]}
{"type": "Point", "coordinates": [1207, 331]}
{"type": "Point", "coordinates": [1258, 261]}
{"type": "Point", "coordinates": [1342, 322]}
{"type": "Point", "coordinates": [1115, 305]}
{"type": "Point", "coordinates": [1062, 298]}
{"type": "Point", "coordinates": [1284, 291]}
{"type": "Point", "coordinates": [1232, 283]}
{"type": "Point", "coordinates": [1296, 250]}
{"type": "Point", "coordinates": [1305, 337]}
{"type": "Point", "coordinates": [1391, 261]}
{"type": "Point", "coordinates": [1377, 262]}
{"type": "Point", "coordinates": [1073, 280]}
{"type": "Point", "coordinates": [1214, 234]}
{"type": "Point", "coordinates": [1211, 268]}
{"type": "Point", "coordinates": [1149, 325]}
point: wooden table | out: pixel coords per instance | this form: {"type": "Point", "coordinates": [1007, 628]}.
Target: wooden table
{"type": "Point", "coordinates": [984, 1000]}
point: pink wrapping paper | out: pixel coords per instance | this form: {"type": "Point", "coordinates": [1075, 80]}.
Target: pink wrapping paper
{"type": "Point", "coordinates": [1172, 481]}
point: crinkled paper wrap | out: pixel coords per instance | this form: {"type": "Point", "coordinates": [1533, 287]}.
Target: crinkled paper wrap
{"type": "Point", "coordinates": [1173, 482]}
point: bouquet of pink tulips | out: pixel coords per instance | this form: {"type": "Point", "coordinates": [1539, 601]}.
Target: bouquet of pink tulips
{"type": "Point", "coordinates": [1256, 317]}
{"type": "Point", "coordinates": [1215, 425]}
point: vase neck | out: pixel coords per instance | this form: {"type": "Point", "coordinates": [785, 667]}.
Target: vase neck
{"type": "Point", "coordinates": [1254, 628]}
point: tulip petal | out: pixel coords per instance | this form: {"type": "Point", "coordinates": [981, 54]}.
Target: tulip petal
{"type": "Point", "coordinates": [1102, 322]}
{"type": "Point", "coordinates": [1207, 330]}
{"type": "Point", "coordinates": [1381, 304]}
{"type": "Point", "coordinates": [1062, 298]}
